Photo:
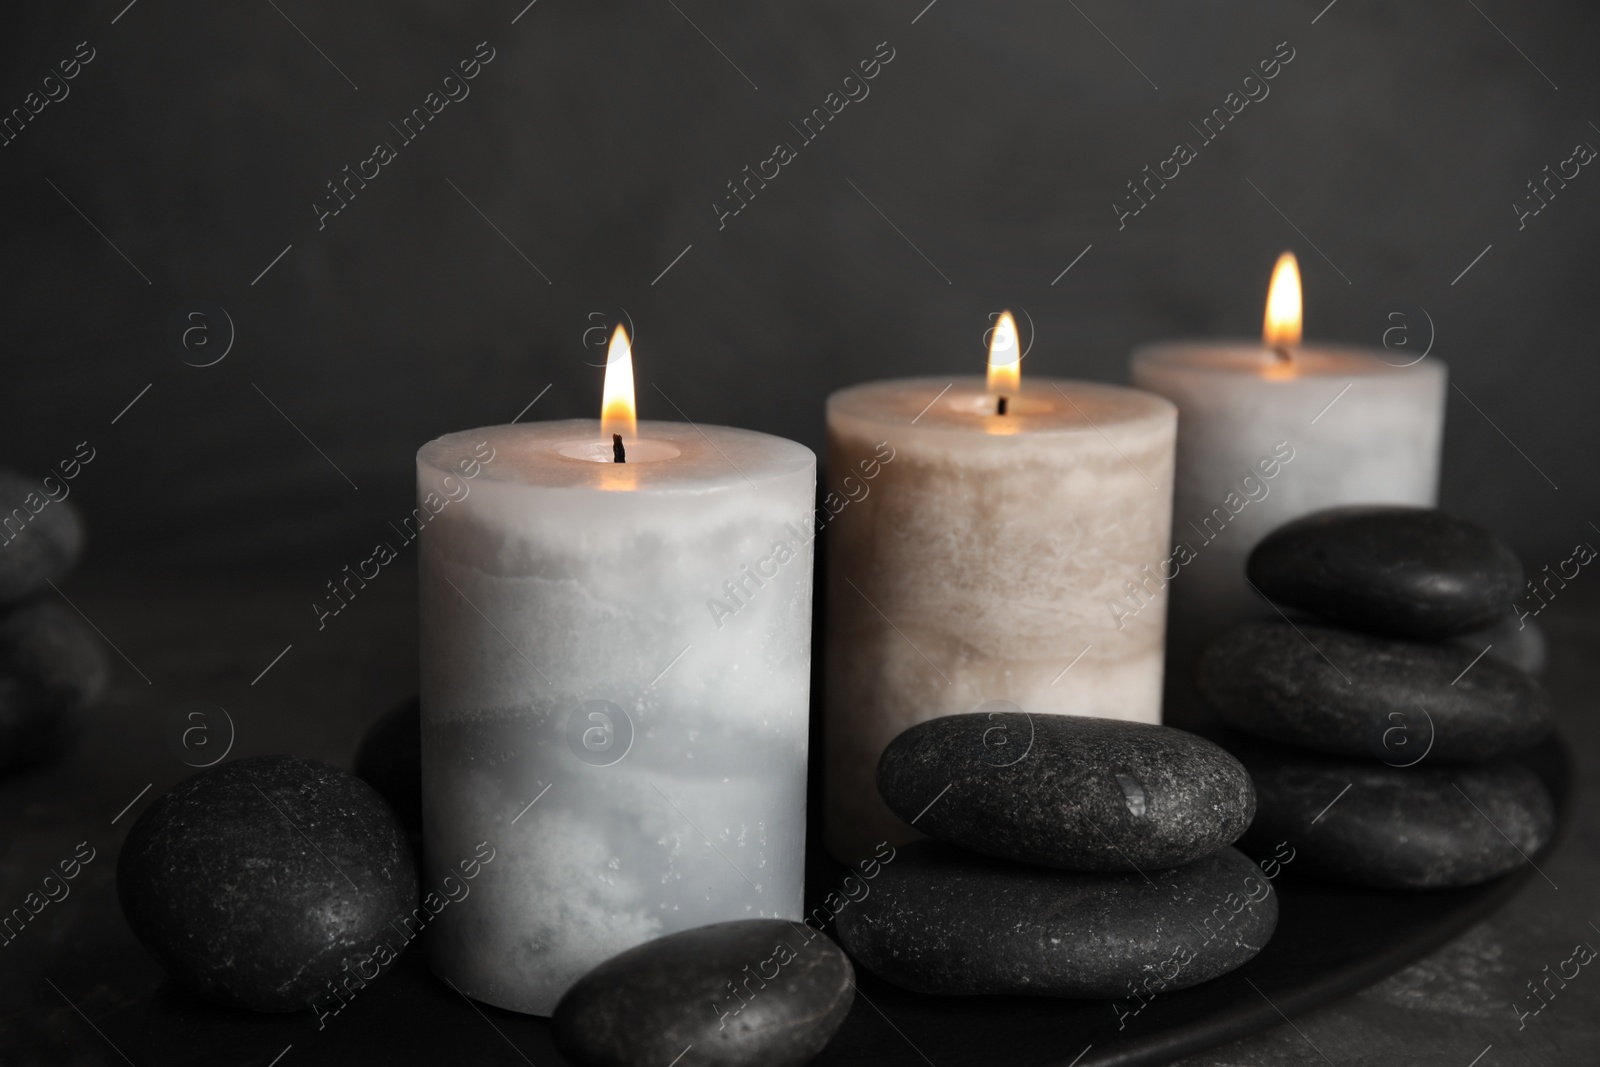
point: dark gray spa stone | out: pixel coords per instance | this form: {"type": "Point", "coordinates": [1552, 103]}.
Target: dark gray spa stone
{"type": "Point", "coordinates": [764, 992]}
{"type": "Point", "coordinates": [1348, 694]}
{"type": "Point", "coordinates": [1067, 791]}
{"type": "Point", "coordinates": [259, 882]}
{"type": "Point", "coordinates": [42, 545]}
{"type": "Point", "coordinates": [33, 725]}
{"type": "Point", "coordinates": [1420, 827]}
{"type": "Point", "coordinates": [1396, 571]}
{"type": "Point", "coordinates": [1519, 643]}
{"type": "Point", "coordinates": [942, 920]}
{"type": "Point", "coordinates": [48, 642]}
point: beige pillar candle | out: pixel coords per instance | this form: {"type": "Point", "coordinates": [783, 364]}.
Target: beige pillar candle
{"type": "Point", "coordinates": [974, 560]}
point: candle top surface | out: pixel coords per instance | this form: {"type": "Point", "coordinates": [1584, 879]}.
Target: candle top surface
{"type": "Point", "coordinates": [967, 405]}
{"type": "Point", "coordinates": [1255, 359]}
{"type": "Point", "coordinates": [664, 457]}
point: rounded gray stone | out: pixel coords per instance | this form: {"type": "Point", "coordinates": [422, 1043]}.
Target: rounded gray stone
{"type": "Point", "coordinates": [1067, 791]}
{"type": "Point", "coordinates": [756, 992]}
{"type": "Point", "coordinates": [945, 921]}
{"type": "Point", "coordinates": [1396, 571]}
{"type": "Point", "coordinates": [261, 883]}
{"type": "Point", "coordinates": [1519, 643]}
{"type": "Point", "coordinates": [51, 644]}
{"type": "Point", "coordinates": [1348, 694]}
{"type": "Point", "coordinates": [1366, 824]}
{"type": "Point", "coordinates": [40, 546]}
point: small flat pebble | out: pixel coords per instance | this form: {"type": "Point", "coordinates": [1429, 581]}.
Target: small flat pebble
{"type": "Point", "coordinates": [941, 920]}
{"type": "Point", "coordinates": [263, 882]}
{"type": "Point", "coordinates": [390, 760]}
{"type": "Point", "coordinates": [1067, 791]}
{"type": "Point", "coordinates": [1348, 694]}
{"type": "Point", "coordinates": [51, 644]}
{"type": "Point", "coordinates": [1396, 571]}
{"type": "Point", "coordinates": [43, 538]}
{"type": "Point", "coordinates": [756, 992]}
{"type": "Point", "coordinates": [1398, 828]}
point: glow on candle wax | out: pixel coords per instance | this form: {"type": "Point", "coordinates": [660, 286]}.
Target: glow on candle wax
{"type": "Point", "coordinates": [617, 412]}
{"type": "Point", "coordinates": [619, 447]}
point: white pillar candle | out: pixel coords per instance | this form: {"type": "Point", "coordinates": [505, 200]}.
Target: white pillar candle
{"type": "Point", "coordinates": [573, 654]}
{"type": "Point", "coordinates": [975, 561]}
{"type": "Point", "coordinates": [1267, 434]}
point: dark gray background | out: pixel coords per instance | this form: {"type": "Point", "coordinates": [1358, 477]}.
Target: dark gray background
{"type": "Point", "coordinates": [599, 138]}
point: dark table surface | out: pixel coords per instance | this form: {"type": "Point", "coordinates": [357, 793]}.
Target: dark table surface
{"type": "Point", "coordinates": [74, 984]}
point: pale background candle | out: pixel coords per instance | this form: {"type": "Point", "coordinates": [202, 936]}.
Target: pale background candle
{"type": "Point", "coordinates": [1360, 429]}
{"type": "Point", "coordinates": [980, 564]}
{"type": "Point", "coordinates": [570, 655]}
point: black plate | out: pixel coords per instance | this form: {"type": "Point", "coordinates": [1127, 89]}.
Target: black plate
{"type": "Point", "coordinates": [1331, 940]}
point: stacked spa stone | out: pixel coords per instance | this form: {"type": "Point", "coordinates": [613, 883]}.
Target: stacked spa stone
{"type": "Point", "coordinates": [50, 662]}
{"type": "Point", "coordinates": [1072, 857]}
{"type": "Point", "coordinates": [1381, 743]}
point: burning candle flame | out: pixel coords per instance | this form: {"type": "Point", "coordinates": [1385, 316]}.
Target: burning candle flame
{"type": "Point", "coordinates": [1005, 356]}
{"type": "Point", "coordinates": [617, 411]}
{"type": "Point", "coordinates": [1281, 329]}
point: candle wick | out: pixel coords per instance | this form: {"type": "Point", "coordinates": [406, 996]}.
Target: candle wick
{"type": "Point", "coordinates": [1283, 352]}
{"type": "Point", "coordinates": [618, 453]}
{"type": "Point", "coordinates": [1001, 407]}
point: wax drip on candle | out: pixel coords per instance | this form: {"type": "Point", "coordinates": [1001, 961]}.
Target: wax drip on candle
{"type": "Point", "coordinates": [618, 453]}
{"type": "Point", "coordinates": [1280, 330]}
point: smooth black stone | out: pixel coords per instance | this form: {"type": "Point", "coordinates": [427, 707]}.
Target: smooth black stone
{"type": "Point", "coordinates": [1396, 571]}
{"type": "Point", "coordinates": [1349, 694]}
{"type": "Point", "coordinates": [941, 920]}
{"type": "Point", "coordinates": [753, 992]}
{"type": "Point", "coordinates": [1067, 791]}
{"type": "Point", "coordinates": [390, 760]}
{"type": "Point", "coordinates": [1397, 828]}
{"type": "Point", "coordinates": [49, 643]}
{"type": "Point", "coordinates": [1520, 644]}
{"type": "Point", "coordinates": [47, 545]}
{"type": "Point", "coordinates": [258, 882]}
{"type": "Point", "coordinates": [33, 727]}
